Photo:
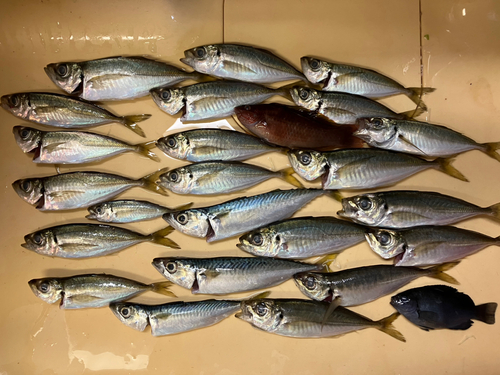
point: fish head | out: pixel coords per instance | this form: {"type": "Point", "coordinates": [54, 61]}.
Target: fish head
{"type": "Point", "coordinates": [306, 97]}
{"type": "Point", "coordinates": [48, 289]}
{"type": "Point", "coordinates": [130, 314]}
{"type": "Point", "coordinates": [315, 70]}
{"type": "Point", "coordinates": [193, 222]}
{"type": "Point", "coordinates": [177, 270]}
{"type": "Point", "coordinates": [368, 209]}
{"type": "Point", "coordinates": [313, 285]}
{"type": "Point", "coordinates": [27, 138]}
{"type": "Point", "coordinates": [102, 212]}
{"type": "Point", "coordinates": [41, 242]}
{"type": "Point", "coordinates": [404, 303]}
{"type": "Point", "coordinates": [180, 180]}
{"type": "Point", "coordinates": [30, 189]}
{"type": "Point", "coordinates": [261, 313]}
{"type": "Point", "coordinates": [376, 130]}
{"type": "Point", "coordinates": [169, 100]}
{"type": "Point", "coordinates": [262, 242]}
{"type": "Point", "coordinates": [250, 116]}
{"type": "Point", "coordinates": [307, 163]}
{"type": "Point", "coordinates": [17, 104]}
{"type": "Point", "coordinates": [386, 243]}
{"type": "Point", "coordinates": [203, 59]}
{"type": "Point", "coordinates": [67, 76]}
{"type": "Point", "coordinates": [175, 145]}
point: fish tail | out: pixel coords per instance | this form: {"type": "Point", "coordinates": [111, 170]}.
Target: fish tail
{"type": "Point", "coordinates": [437, 272]}
{"type": "Point", "coordinates": [334, 194]}
{"type": "Point", "coordinates": [490, 149]}
{"type": "Point", "coordinates": [131, 123]}
{"type": "Point", "coordinates": [163, 288]}
{"type": "Point", "coordinates": [200, 77]}
{"type": "Point", "coordinates": [486, 312]}
{"type": "Point", "coordinates": [409, 115]}
{"type": "Point", "coordinates": [258, 296]}
{"type": "Point", "coordinates": [284, 91]}
{"type": "Point", "coordinates": [416, 93]}
{"type": "Point", "coordinates": [495, 211]}
{"type": "Point", "coordinates": [286, 174]}
{"type": "Point", "coordinates": [325, 262]}
{"type": "Point", "coordinates": [145, 149]}
{"type": "Point", "coordinates": [385, 325]}
{"type": "Point", "coordinates": [444, 165]}
{"type": "Point", "coordinates": [149, 182]}
{"type": "Point", "coordinates": [158, 237]}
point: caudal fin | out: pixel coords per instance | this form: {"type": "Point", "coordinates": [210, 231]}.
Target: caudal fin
{"type": "Point", "coordinates": [490, 149]}
{"type": "Point", "coordinates": [444, 165]}
{"type": "Point", "coordinates": [494, 211]}
{"type": "Point", "coordinates": [149, 182]}
{"type": "Point", "coordinates": [325, 262]}
{"type": "Point", "coordinates": [409, 115]}
{"type": "Point", "coordinates": [334, 194]}
{"type": "Point", "coordinates": [385, 325]}
{"type": "Point", "coordinates": [131, 123]}
{"type": "Point", "coordinates": [437, 272]}
{"type": "Point", "coordinates": [163, 288]}
{"type": "Point", "coordinates": [486, 312]}
{"type": "Point", "coordinates": [160, 239]}
{"type": "Point", "coordinates": [286, 174]}
{"type": "Point", "coordinates": [284, 91]}
{"type": "Point", "coordinates": [145, 150]}
{"type": "Point", "coordinates": [416, 93]}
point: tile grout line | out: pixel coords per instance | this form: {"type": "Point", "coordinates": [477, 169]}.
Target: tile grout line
{"type": "Point", "coordinates": [223, 24]}
{"type": "Point", "coordinates": [421, 49]}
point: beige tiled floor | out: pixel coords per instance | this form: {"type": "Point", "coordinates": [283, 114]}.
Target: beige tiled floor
{"type": "Point", "coordinates": [460, 59]}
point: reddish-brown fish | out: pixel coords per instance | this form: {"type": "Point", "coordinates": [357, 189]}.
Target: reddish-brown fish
{"type": "Point", "coordinates": [294, 128]}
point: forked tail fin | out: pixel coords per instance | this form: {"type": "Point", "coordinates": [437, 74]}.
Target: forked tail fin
{"type": "Point", "coordinates": [437, 272]}
{"type": "Point", "coordinates": [490, 149]}
{"type": "Point", "coordinates": [159, 238]}
{"type": "Point", "coordinates": [163, 288]}
{"type": "Point", "coordinates": [444, 165]}
{"type": "Point", "coordinates": [145, 150]}
{"type": "Point", "coordinates": [131, 123]}
{"type": "Point", "coordinates": [149, 182]}
{"type": "Point", "coordinates": [416, 93]}
{"type": "Point", "coordinates": [385, 325]}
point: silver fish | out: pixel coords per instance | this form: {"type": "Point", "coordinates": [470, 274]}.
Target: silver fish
{"type": "Point", "coordinates": [220, 177]}
{"type": "Point", "coordinates": [226, 275]}
{"type": "Point", "coordinates": [213, 144]}
{"type": "Point", "coordinates": [427, 245]}
{"type": "Point", "coordinates": [419, 138]}
{"type": "Point", "coordinates": [244, 63]}
{"type": "Point", "coordinates": [70, 147]}
{"type": "Point", "coordinates": [359, 285]}
{"type": "Point", "coordinates": [363, 168]}
{"type": "Point", "coordinates": [344, 108]}
{"type": "Point", "coordinates": [94, 290]}
{"type": "Point", "coordinates": [302, 237]}
{"type": "Point", "coordinates": [90, 240]}
{"type": "Point", "coordinates": [128, 211]}
{"type": "Point", "coordinates": [240, 215]}
{"type": "Point", "coordinates": [403, 209]}
{"type": "Point", "coordinates": [359, 81]}
{"type": "Point", "coordinates": [115, 78]}
{"type": "Point", "coordinates": [71, 190]}
{"type": "Point", "coordinates": [211, 100]}
{"type": "Point", "coordinates": [65, 112]}
{"type": "Point", "coordinates": [305, 319]}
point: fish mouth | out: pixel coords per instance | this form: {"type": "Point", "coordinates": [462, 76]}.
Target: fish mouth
{"type": "Point", "coordinates": [186, 60]}
{"type": "Point", "coordinates": [91, 217]}
{"type": "Point", "coordinates": [25, 245]}
{"type": "Point", "coordinates": [342, 213]}
{"type": "Point", "coordinates": [4, 102]}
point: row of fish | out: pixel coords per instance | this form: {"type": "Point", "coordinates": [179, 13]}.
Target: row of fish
{"type": "Point", "coordinates": [217, 153]}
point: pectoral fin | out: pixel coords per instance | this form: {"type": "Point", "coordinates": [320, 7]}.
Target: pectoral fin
{"type": "Point", "coordinates": [407, 142]}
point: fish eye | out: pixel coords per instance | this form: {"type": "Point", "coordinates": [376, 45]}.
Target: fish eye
{"type": "Point", "coordinates": [404, 299]}
{"type": "Point", "coordinates": [257, 239]}
{"type": "Point", "coordinates": [44, 287]}
{"type": "Point", "coordinates": [99, 210]}
{"type": "Point", "coordinates": [165, 95]}
{"type": "Point", "coordinates": [315, 65]}
{"type": "Point", "coordinates": [14, 100]}
{"type": "Point", "coordinates": [305, 158]}
{"type": "Point", "coordinates": [171, 142]}
{"type": "Point", "coordinates": [310, 283]}
{"type": "Point", "coordinates": [37, 238]}
{"type": "Point", "coordinates": [247, 108]}
{"type": "Point", "coordinates": [384, 238]}
{"type": "Point", "coordinates": [173, 176]}
{"type": "Point", "coordinates": [303, 94]}
{"type": "Point", "coordinates": [376, 122]}
{"type": "Point", "coordinates": [26, 185]}
{"type": "Point", "coordinates": [365, 203]}
{"type": "Point", "coordinates": [171, 267]}
{"type": "Point", "coordinates": [62, 70]}
{"type": "Point", "coordinates": [182, 219]}
{"type": "Point", "coordinates": [200, 52]}
{"type": "Point", "coordinates": [261, 309]}
{"type": "Point", "coordinates": [125, 312]}
{"type": "Point", "coordinates": [24, 133]}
